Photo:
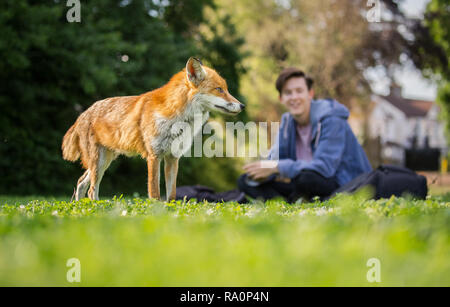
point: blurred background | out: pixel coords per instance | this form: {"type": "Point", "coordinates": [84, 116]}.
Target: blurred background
{"type": "Point", "coordinates": [388, 61]}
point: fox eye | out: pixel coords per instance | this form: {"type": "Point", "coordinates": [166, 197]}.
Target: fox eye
{"type": "Point", "coordinates": [219, 89]}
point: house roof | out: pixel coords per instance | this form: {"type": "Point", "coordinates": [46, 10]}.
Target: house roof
{"type": "Point", "coordinates": [411, 107]}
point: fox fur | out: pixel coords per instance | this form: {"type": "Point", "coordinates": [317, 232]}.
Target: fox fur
{"type": "Point", "coordinates": [140, 125]}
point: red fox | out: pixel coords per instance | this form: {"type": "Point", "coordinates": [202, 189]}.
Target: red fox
{"type": "Point", "coordinates": [140, 125]}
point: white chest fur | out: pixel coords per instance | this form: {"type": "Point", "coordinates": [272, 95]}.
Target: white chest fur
{"type": "Point", "coordinates": [170, 129]}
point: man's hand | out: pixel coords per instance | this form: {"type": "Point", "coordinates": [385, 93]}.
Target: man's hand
{"type": "Point", "coordinates": [261, 169]}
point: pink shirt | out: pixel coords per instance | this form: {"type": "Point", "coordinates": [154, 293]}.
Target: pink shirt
{"type": "Point", "coordinates": [303, 143]}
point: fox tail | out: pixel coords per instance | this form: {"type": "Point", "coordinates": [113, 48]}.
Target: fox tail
{"type": "Point", "coordinates": [70, 145]}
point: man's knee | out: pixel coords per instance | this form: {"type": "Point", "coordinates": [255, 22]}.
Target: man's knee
{"type": "Point", "coordinates": [307, 177]}
{"type": "Point", "coordinates": [313, 183]}
{"type": "Point", "coordinates": [242, 184]}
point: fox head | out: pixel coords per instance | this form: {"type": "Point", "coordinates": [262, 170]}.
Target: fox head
{"type": "Point", "coordinates": [211, 90]}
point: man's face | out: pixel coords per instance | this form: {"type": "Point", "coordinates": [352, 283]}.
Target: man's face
{"type": "Point", "coordinates": [297, 98]}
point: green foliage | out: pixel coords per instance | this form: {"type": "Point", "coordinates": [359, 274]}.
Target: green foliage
{"type": "Point", "coordinates": [184, 16]}
{"type": "Point", "coordinates": [438, 22]}
{"type": "Point", "coordinates": [51, 70]}
{"type": "Point", "coordinates": [151, 243]}
{"type": "Point", "coordinates": [437, 51]}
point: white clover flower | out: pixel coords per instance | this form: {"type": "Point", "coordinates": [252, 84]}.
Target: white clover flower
{"type": "Point", "coordinates": [302, 213]}
{"type": "Point", "coordinates": [55, 213]}
{"type": "Point", "coordinates": [321, 211]}
{"type": "Point", "coordinates": [124, 213]}
{"type": "Point", "coordinates": [252, 212]}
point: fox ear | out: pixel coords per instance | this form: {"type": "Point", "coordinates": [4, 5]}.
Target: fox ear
{"type": "Point", "coordinates": [194, 71]}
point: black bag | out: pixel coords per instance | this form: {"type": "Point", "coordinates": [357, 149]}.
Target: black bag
{"type": "Point", "coordinates": [203, 193]}
{"type": "Point", "coordinates": [388, 180]}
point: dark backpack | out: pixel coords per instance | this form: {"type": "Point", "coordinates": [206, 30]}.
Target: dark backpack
{"type": "Point", "coordinates": [388, 180]}
{"type": "Point", "coordinates": [203, 193]}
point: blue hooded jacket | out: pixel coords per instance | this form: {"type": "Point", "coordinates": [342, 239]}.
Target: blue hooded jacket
{"type": "Point", "coordinates": [336, 151]}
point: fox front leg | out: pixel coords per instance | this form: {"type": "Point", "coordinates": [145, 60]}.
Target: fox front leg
{"type": "Point", "coordinates": [153, 164]}
{"type": "Point", "coordinates": [170, 174]}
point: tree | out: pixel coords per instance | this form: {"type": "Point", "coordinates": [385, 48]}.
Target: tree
{"type": "Point", "coordinates": [434, 50]}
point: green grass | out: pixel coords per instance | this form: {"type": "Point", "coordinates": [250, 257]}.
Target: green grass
{"type": "Point", "coordinates": [127, 242]}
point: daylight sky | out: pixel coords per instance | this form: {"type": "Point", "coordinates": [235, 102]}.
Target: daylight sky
{"type": "Point", "coordinates": [414, 85]}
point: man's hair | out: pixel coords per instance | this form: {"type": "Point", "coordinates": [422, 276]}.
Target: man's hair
{"type": "Point", "coordinates": [290, 72]}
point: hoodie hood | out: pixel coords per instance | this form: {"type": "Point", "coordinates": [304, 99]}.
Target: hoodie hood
{"type": "Point", "coordinates": [324, 108]}
{"type": "Point", "coordinates": [320, 109]}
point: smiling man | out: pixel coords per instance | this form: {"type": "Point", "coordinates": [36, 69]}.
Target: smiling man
{"type": "Point", "coordinates": [316, 151]}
